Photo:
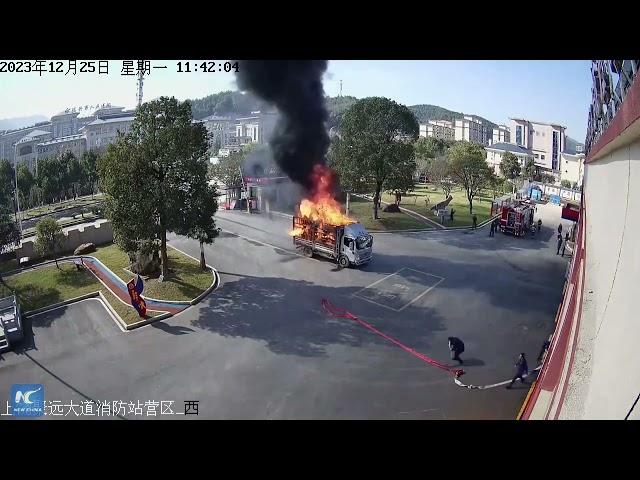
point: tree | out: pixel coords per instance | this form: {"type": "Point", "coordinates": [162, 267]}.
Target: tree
{"type": "Point", "coordinates": [426, 150]}
{"type": "Point", "coordinates": [439, 173]}
{"type": "Point", "coordinates": [469, 168]}
{"type": "Point", "coordinates": [529, 170]}
{"type": "Point", "coordinates": [26, 180]}
{"type": "Point", "coordinates": [151, 175]}
{"type": "Point", "coordinates": [228, 170]}
{"type": "Point", "coordinates": [75, 175]}
{"type": "Point", "coordinates": [565, 183]}
{"type": "Point", "coordinates": [510, 167]}
{"type": "Point", "coordinates": [90, 167]}
{"type": "Point", "coordinates": [375, 151]}
{"type": "Point", "coordinates": [49, 237]}
{"type": "Point", "coordinates": [201, 225]}
{"type": "Point", "coordinates": [495, 184]}
{"type": "Point", "coordinates": [7, 181]}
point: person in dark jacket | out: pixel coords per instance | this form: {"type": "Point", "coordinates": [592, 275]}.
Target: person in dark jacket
{"type": "Point", "coordinates": [475, 221]}
{"type": "Point", "coordinates": [539, 224]}
{"type": "Point", "coordinates": [559, 243]}
{"type": "Point", "coordinates": [564, 244]}
{"type": "Point", "coordinates": [522, 369]}
{"type": "Point", "coordinates": [456, 346]}
{"type": "Point", "coordinates": [560, 229]}
{"type": "Point", "coordinates": [492, 229]}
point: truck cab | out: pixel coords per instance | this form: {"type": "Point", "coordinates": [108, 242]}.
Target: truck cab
{"type": "Point", "coordinates": [357, 244]}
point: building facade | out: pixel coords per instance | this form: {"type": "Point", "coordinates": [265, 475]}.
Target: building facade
{"type": "Point", "coordinates": [572, 167]}
{"type": "Point", "coordinates": [64, 124]}
{"type": "Point", "coordinates": [26, 149]}
{"type": "Point", "coordinates": [442, 129]}
{"type": "Point", "coordinates": [497, 150]}
{"type": "Point", "coordinates": [472, 129]}
{"type": "Point", "coordinates": [76, 144]}
{"type": "Point", "coordinates": [9, 138]}
{"type": "Point", "coordinates": [546, 140]}
{"type": "Point", "coordinates": [501, 134]}
{"type": "Point", "coordinates": [103, 131]}
{"type": "Point", "coordinates": [256, 128]}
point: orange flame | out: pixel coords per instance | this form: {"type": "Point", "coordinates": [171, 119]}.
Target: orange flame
{"type": "Point", "coordinates": [322, 207]}
{"type": "Point", "coordinates": [296, 232]}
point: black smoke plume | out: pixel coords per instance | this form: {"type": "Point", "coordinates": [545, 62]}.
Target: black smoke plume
{"type": "Point", "coordinates": [300, 139]}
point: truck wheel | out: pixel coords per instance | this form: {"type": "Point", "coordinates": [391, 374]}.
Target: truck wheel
{"type": "Point", "coordinates": [343, 261]}
{"type": "Point", "coordinates": [307, 252]}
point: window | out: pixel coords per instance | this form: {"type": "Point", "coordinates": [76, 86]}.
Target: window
{"type": "Point", "coordinates": [542, 157]}
{"type": "Point", "coordinates": [519, 135]}
{"type": "Point", "coordinates": [536, 155]}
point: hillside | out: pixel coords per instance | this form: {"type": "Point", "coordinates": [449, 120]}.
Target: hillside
{"type": "Point", "coordinates": [20, 122]}
{"type": "Point", "coordinates": [236, 103]}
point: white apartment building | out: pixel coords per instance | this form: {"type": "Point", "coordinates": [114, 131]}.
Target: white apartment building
{"type": "Point", "coordinates": [441, 129]}
{"type": "Point", "coordinates": [77, 144]}
{"type": "Point", "coordinates": [103, 131]}
{"type": "Point", "coordinates": [572, 167]}
{"type": "Point", "coordinates": [26, 149]}
{"type": "Point", "coordinates": [546, 140]}
{"type": "Point", "coordinates": [501, 135]}
{"type": "Point", "coordinates": [497, 150]}
{"type": "Point", "coordinates": [471, 129]}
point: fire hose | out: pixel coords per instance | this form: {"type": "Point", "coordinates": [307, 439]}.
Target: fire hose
{"type": "Point", "coordinates": [338, 312]}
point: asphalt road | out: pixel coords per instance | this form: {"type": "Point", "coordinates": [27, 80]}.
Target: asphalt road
{"type": "Point", "coordinates": [261, 347]}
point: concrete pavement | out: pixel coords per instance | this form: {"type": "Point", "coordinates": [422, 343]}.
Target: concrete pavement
{"type": "Point", "coordinates": [261, 347]}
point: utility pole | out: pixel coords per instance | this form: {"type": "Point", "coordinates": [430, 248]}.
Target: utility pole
{"type": "Point", "coordinates": [340, 87]}
{"type": "Point", "coordinates": [140, 82]}
{"type": "Point", "coordinates": [15, 176]}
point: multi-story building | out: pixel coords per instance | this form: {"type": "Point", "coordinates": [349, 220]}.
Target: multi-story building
{"type": "Point", "coordinates": [441, 129]}
{"type": "Point", "coordinates": [472, 129]}
{"type": "Point", "coordinates": [497, 150]}
{"type": "Point", "coordinates": [64, 123]}
{"type": "Point", "coordinates": [9, 138]}
{"type": "Point", "coordinates": [221, 129]}
{"type": "Point", "coordinates": [257, 127]}
{"type": "Point", "coordinates": [501, 135]}
{"type": "Point", "coordinates": [104, 130]}
{"type": "Point", "coordinates": [546, 140]}
{"type": "Point", "coordinates": [26, 149]}
{"type": "Point", "coordinates": [572, 167]}
{"type": "Point", "coordinates": [76, 144]}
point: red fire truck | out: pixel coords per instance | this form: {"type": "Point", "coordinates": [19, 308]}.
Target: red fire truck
{"type": "Point", "coordinates": [517, 218]}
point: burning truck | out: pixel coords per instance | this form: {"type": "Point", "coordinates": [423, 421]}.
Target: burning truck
{"type": "Point", "coordinates": [320, 227]}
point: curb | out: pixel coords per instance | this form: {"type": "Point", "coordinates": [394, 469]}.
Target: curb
{"type": "Point", "coordinates": [212, 287]}
{"type": "Point", "coordinates": [147, 321]}
{"type": "Point", "coordinates": [112, 311]}
{"type": "Point", "coordinates": [60, 304]}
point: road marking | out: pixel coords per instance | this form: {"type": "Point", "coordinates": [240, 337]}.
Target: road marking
{"type": "Point", "coordinates": [265, 243]}
{"type": "Point", "coordinates": [356, 294]}
{"type": "Point", "coordinates": [422, 294]}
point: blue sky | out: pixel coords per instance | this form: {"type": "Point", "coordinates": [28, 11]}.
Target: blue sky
{"type": "Point", "coordinates": [551, 91]}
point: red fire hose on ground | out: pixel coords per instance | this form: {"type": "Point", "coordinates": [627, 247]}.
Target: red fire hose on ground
{"type": "Point", "coordinates": [338, 312]}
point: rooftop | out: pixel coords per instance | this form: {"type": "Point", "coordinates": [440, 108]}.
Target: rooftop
{"type": "Point", "coordinates": [34, 134]}
{"type": "Point", "coordinates": [68, 138]}
{"type": "Point", "coordinates": [538, 123]}
{"type": "Point", "coordinates": [101, 121]}
{"type": "Point", "coordinates": [510, 147]}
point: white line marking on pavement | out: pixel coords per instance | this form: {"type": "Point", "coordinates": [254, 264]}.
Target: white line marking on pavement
{"type": "Point", "coordinates": [265, 243]}
{"type": "Point", "coordinates": [376, 303]}
{"type": "Point", "coordinates": [378, 281]}
{"type": "Point", "coordinates": [423, 293]}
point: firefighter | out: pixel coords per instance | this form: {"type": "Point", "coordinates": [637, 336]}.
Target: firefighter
{"type": "Point", "coordinates": [539, 224]}
{"type": "Point", "coordinates": [492, 228]}
{"type": "Point", "coordinates": [559, 243]}
{"type": "Point", "coordinates": [522, 369]}
{"type": "Point", "coordinates": [456, 346]}
{"type": "Point", "coordinates": [475, 221]}
{"type": "Point", "coordinates": [560, 229]}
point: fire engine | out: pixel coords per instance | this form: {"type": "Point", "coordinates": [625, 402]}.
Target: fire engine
{"type": "Point", "coordinates": [347, 244]}
{"type": "Point", "coordinates": [516, 218]}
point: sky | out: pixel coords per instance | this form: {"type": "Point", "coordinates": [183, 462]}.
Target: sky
{"type": "Point", "coordinates": [548, 91]}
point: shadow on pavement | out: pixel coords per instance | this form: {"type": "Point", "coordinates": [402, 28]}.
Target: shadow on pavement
{"type": "Point", "coordinates": [172, 329]}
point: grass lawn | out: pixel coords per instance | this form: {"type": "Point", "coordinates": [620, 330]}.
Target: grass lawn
{"type": "Point", "coordinates": [54, 207]}
{"type": "Point", "coordinates": [362, 210]}
{"type": "Point", "coordinates": [416, 201]}
{"type": "Point", "coordinates": [185, 282]}
{"type": "Point", "coordinates": [49, 285]}
{"type": "Point", "coordinates": [8, 265]}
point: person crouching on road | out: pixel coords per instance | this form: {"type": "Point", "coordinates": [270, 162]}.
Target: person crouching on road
{"type": "Point", "coordinates": [456, 346]}
{"type": "Point", "coordinates": [522, 369]}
